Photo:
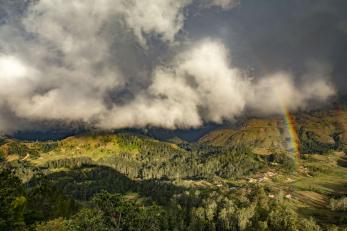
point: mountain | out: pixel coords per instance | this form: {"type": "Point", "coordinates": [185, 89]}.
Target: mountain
{"type": "Point", "coordinates": [234, 176]}
{"type": "Point", "coordinates": [261, 135]}
{"type": "Point", "coordinates": [135, 155]}
{"type": "Point", "coordinates": [318, 131]}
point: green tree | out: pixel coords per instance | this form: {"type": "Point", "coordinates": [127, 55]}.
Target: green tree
{"type": "Point", "coordinates": [58, 224]}
{"type": "Point", "coordinates": [12, 202]}
{"type": "Point", "coordinates": [88, 220]}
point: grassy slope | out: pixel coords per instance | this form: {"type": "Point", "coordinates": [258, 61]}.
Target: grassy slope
{"type": "Point", "coordinates": [95, 147]}
{"type": "Point", "coordinates": [263, 136]}
{"type": "Point", "coordinates": [266, 135]}
{"type": "Point", "coordinates": [326, 178]}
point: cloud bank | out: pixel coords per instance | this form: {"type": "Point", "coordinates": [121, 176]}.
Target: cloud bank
{"type": "Point", "coordinates": [96, 62]}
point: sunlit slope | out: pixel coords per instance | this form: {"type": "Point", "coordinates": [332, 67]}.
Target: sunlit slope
{"type": "Point", "coordinates": [263, 136]}
{"type": "Point", "coordinates": [318, 132]}
{"type": "Point", "coordinates": [135, 156]}
{"type": "Point", "coordinates": [93, 146]}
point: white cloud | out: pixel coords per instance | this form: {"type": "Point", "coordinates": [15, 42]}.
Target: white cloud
{"type": "Point", "coordinates": [163, 18]}
{"type": "Point", "coordinates": [59, 63]}
{"type": "Point", "coordinates": [200, 85]}
{"type": "Point", "coordinates": [277, 92]}
{"type": "Point", "coordinates": [11, 68]}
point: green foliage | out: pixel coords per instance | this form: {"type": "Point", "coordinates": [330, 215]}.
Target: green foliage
{"type": "Point", "coordinates": [135, 187]}
{"type": "Point", "coordinates": [12, 202]}
{"type": "Point", "coordinates": [87, 220]}
{"type": "Point", "coordinates": [287, 160]}
{"type": "Point", "coordinates": [139, 157]}
{"type": "Point", "coordinates": [2, 156]}
{"type": "Point", "coordinates": [129, 142]}
{"type": "Point", "coordinates": [309, 224]}
{"type": "Point", "coordinates": [48, 146]}
{"type": "Point", "coordinates": [83, 183]}
{"type": "Point", "coordinates": [180, 209]}
{"type": "Point", "coordinates": [112, 212]}
{"type": "Point", "coordinates": [58, 224]}
{"type": "Point", "coordinates": [2, 141]}
{"type": "Point", "coordinates": [68, 162]}
{"type": "Point", "coordinates": [310, 144]}
{"type": "Point", "coordinates": [17, 148]}
{"type": "Point", "coordinates": [22, 150]}
{"type": "Point", "coordinates": [47, 202]}
{"type": "Point", "coordinates": [338, 204]}
{"type": "Point", "coordinates": [231, 163]}
{"type": "Point", "coordinates": [20, 207]}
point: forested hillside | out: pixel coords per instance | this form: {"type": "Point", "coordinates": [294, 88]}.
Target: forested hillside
{"type": "Point", "coordinates": [242, 178]}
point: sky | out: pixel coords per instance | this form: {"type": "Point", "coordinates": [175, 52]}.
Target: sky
{"type": "Point", "coordinates": [113, 64]}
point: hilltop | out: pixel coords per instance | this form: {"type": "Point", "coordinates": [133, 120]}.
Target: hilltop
{"type": "Point", "coordinates": [318, 132]}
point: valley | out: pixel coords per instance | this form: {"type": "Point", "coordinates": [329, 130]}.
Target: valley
{"type": "Point", "coordinates": [233, 178]}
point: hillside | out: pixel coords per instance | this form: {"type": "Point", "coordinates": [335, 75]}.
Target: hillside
{"type": "Point", "coordinates": [317, 131]}
{"type": "Point", "coordinates": [137, 156]}
{"type": "Point", "coordinates": [262, 136]}
{"type": "Point", "coordinates": [239, 178]}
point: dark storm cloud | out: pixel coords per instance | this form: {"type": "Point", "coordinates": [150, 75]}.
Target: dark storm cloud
{"type": "Point", "coordinates": [172, 64]}
{"type": "Point", "coordinates": [280, 35]}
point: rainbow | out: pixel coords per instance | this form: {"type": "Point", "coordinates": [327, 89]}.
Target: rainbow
{"type": "Point", "coordinates": [294, 142]}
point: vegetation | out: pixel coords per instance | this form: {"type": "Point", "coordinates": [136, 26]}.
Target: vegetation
{"type": "Point", "coordinates": [44, 208]}
{"type": "Point", "coordinates": [338, 204]}
{"type": "Point", "coordinates": [12, 202]}
{"type": "Point", "coordinates": [239, 179]}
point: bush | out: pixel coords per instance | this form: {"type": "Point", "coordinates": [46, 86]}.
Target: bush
{"type": "Point", "coordinates": [338, 204]}
{"type": "Point", "coordinates": [58, 224]}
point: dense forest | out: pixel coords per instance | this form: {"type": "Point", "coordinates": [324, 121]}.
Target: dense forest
{"type": "Point", "coordinates": [97, 198]}
{"type": "Point", "coordinates": [43, 207]}
{"type": "Point", "coordinates": [127, 181]}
